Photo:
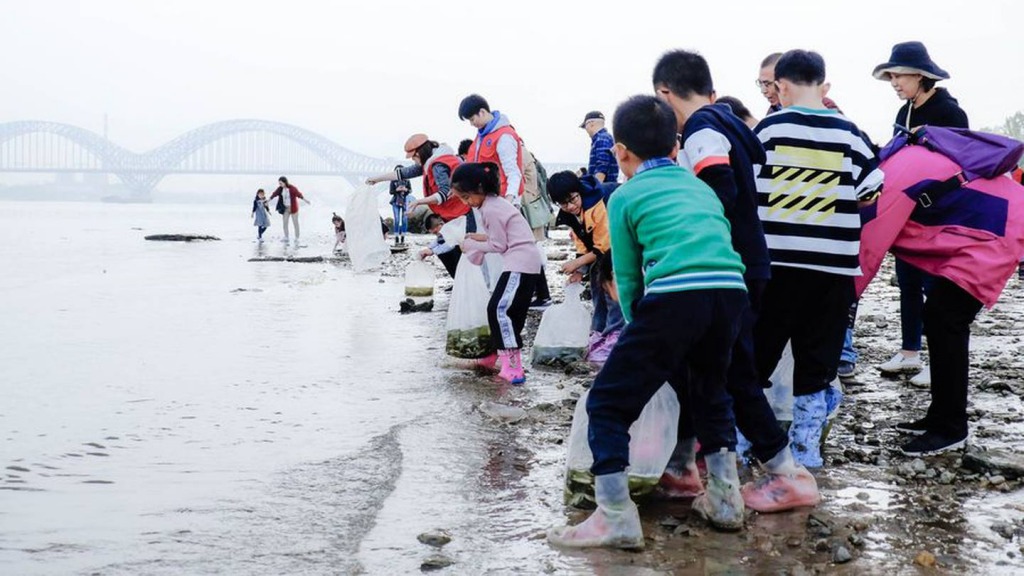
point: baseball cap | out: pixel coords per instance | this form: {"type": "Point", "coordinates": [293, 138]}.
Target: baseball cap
{"type": "Point", "coordinates": [592, 115]}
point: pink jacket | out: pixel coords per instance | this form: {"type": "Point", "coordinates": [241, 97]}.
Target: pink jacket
{"type": "Point", "coordinates": [972, 235]}
{"type": "Point", "coordinates": [508, 234]}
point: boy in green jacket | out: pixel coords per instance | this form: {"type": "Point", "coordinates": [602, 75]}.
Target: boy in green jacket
{"type": "Point", "coordinates": [681, 289]}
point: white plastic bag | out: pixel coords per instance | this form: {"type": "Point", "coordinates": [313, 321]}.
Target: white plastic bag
{"type": "Point", "coordinates": [780, 395]}
{"type": "Point", "coordinates": [454, 231]}
{"type": "Point", "coordinates": [366, 245]}
{"type": "Point", "coordinates": [493, 266]}
{"type": "Point", "coordinates": [419, 279]}
{"type": "Point", "coordinates": [652, 438]}
{"type": "Point", "coordinates": [468, 333]}
{"type": "Point", "coordinates": [564, 332]}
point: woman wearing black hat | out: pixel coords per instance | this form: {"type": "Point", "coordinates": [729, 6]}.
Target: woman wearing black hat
{"type": "Point", "coordinates": [913, 74]}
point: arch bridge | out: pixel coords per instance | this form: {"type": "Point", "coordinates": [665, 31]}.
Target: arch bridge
{"type": "Point", "coordinates": [231, 147]}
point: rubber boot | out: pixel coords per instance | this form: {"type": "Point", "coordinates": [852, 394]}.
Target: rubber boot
{"type": "Point", "coordinates": [722, 504]}
{"type": "Point", "coordinates": [512, 367]}
{"type": "Point", "coordinates": [785, 485]}
{"type": "Point", "coordinates": [809, 415]}
{"type": "Point", "coordinates": [615, 523]}
{"type": "Point", "coordinates": [681, 478]}
{"type": "Point", "coordinates": [487, 363]}
{"type": "Point", "coordinates": [744, 449]}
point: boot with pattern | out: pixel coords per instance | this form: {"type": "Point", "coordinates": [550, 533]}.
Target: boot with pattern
{"type": "Point", "coordinates": [681, 478]}
{"type": "Point", "coordinates": [810, 413]}
{"type": "Point", "coordinates": [721, 504]}
{"type": "Point", "coordinates": [786, 485]}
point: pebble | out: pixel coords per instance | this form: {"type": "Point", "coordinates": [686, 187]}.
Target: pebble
{"type": "Point", "coordinates": [822, 545]}
{"type": "Point", "coordinates": [864, 496]}
{"type": "Point", "coordinates": [436, 562]}
{"type": "Point", "coordinates": [918, 465]}
{"type": "Point", "coordinates": [1003, 529]}
{"type": "Point", "coordinates": [925, 558]}
{"type": "Point", "coordinates": [669, 522]}
{"type": "Point", "coordinates": [436, 538]}
{"type": "Point", "coordinates": [946, 477]}
{"type": "Point", "coordinates": [860, 525]}
{"type": "Point", "coordinates": [794, 542]}
{"type": "Point", "coordinates": [996, 480]}
{"type": "Point", "coordinates": [841, 555]}
{"type": "Point", "coordinates": [502, 413]}
{"type": "Point", "coordinates": [856, 540]}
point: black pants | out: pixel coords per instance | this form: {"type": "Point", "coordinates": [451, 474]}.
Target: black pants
{"type": "Point", "coordinates": [683, 338]}
{"type": "Point", "coordinates": [543, 292]}
{"type": "Point", "coordinates": [948, 313]}
{"type": "Point", "coordinates": [506, 311]}
{"type": "Point", "coordinates": [754, 415]}
{"type": "Point", "coordinates": [260, 230]}
{"type": "Point", "coordinates": [811, 309]}
{"type": "Point", "coordinates": [450, 259]}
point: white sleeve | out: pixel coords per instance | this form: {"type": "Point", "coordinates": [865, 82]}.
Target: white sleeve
{"type": "Point", "coordinates": [508, 153]}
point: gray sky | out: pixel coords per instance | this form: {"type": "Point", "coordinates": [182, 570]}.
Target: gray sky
{"type": "Point", "coordinates": [367, 74]}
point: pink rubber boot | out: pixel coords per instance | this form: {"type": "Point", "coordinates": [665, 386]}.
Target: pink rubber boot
{"type": "Point", "coordinates": [682, 478]}
{"type": "Point", "coordinates": [512, 368]}
{"type": "Point", "coordinates": [786, 485]}
{"type": "Point", "coordinates": [487, 363]}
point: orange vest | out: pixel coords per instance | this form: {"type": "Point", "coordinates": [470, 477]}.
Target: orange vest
{"type": "Point", "coordinates": [453, 207]}
{"type": "Point", "coordinates": [485, 149]}
{"type": "Point", "coordinates": [1018, 175]}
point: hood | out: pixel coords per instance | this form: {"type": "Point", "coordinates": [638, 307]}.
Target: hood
{"type": "Point", "coordinates": [737, 131]}
{"type": "Point", "coordinates": [499, 121]}
{"type": "Point", "coordinates": [942, 96]}
{"type": "Point", "coordinates": [591, 191]}
{"type": "Point", "coordinates": [442, 150]}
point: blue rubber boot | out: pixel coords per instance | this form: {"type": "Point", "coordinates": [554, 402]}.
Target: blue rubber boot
{"type": "Point", "coordinates": [810, 412]}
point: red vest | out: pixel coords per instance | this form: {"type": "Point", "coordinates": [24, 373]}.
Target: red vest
{"type": "Point", "coordinates": [485, 149]}
{"type": "Point", "coordinates": [453, 207]}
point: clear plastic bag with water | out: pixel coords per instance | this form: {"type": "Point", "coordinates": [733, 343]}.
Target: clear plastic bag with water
{"type": "Point", "coordinates": [564, 333]}
{"type": "Point", "coordinates": [419, 279]}
{"type": "Point", "coordinates": [468, 332]}
{"type": "Point", "coordinates": [652, 438]}
{"type": "Point", "coordinates": [366, 245]}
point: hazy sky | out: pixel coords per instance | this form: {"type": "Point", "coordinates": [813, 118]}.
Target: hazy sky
{"type": "Point", "coordinates": [367, 74]}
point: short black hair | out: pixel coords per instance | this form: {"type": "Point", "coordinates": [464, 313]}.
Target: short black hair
{"type": "Point", "coordinates": [684, 73]}
{"type": "Point", "coordinates": [771, 59]}
{"type": "Point", "coordinates": [477, 178]}
{"type": "Point", "coordinates": [283, 179]}
{"type": "Point", "coordinates": [432, 220]}
{"type": "Point", "coordinates": [471, 105]}
{"type": "Point", "coordinates": [561, 185]}
{"type": "Point", "coordinates": [737, 107]}
{"type": "Point", "coordinates": [646, 126]}
{"type": "Point", "coordinates": [927, 83]}
{"type": "Point", "coordinates": [802, 67]}
{"type": "Point", "coordinates": [464, 146]}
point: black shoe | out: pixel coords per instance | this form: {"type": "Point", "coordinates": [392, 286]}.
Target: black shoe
{"type": "Point", "coordinates": [917, 427]}
{"type": "Point", "coordinates": [933, 443]}
{"type": "Point", "coordinates": [539, 304]}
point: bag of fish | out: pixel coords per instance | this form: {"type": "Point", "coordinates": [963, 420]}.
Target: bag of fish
{"type": "Point", "coordinates": [419, 279]}
{"type": "Point", "coordinates": [469, 334]}
{"type": "Point", "coordinates": [652, 438]}
{"type": "Point", "coordinates": [564, 332]}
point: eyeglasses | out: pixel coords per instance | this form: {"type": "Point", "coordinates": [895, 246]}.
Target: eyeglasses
{"type": "Point", "coordinates": [573, 198]}
{"type": "Point", "coordinates": [762, 84]}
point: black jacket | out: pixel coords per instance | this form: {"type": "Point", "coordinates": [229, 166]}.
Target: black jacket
{"type": "Point", "coordinates": [939, 110]}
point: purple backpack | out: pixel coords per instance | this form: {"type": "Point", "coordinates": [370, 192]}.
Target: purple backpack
{"type": "Point", "coordinates": [980, 154]}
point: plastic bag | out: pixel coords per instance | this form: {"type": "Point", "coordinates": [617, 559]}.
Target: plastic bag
{"type": "Point", "coordinates": [652, 438]}
{"type": "Point", "coordinates": [564, 333]}
{"type": "Point", "coordinates": [468, 332]}
{"type": "Point", "coordinates": [780, 395]}
{"type": "Point", "coordinates": [454, 231]}
{"type": "Point", "coordinates": [366, 245]}
{"type": "Point", "coordinates": [493, 266]}
{"type": "Point", "coordinates": [419, 279]}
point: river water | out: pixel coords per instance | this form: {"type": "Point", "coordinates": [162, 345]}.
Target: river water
{"type": "Point", "coordinates": [173, 408]}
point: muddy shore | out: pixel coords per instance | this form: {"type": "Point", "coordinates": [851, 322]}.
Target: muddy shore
{"type": "Point", "coordinates": [883, 513]}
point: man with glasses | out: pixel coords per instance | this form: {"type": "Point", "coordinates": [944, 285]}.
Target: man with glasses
{"type": "Point", "coordinates": [770, 89]}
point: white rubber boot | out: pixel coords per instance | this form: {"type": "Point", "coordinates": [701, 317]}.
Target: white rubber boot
{"type": "Point", "coordinates": [615, 523]}
{"type": "Point", "coordinates": [721, 504]}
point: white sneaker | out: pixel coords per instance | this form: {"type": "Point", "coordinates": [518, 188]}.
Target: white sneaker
{"type": "Point", "coordinates": [900, 363]}
{"type": "Point", "coordinates": [923, 379]}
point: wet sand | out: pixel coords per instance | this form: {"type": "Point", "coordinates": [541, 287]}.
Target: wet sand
{"type": "Point", "coordinates": [148, 463]}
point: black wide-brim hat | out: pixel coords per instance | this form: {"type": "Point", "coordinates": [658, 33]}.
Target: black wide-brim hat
{"type": "Point", "coordinates": [910, 58]}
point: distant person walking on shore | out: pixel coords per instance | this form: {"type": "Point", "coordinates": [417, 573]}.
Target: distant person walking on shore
{"type": "Point", "coordinates": [288, 197]}
{"type": "Point", "coordinates": [260, 214]}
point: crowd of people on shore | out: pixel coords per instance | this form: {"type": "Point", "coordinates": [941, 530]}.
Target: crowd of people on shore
{"type": "Point", "coordinates": [727, 240]}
